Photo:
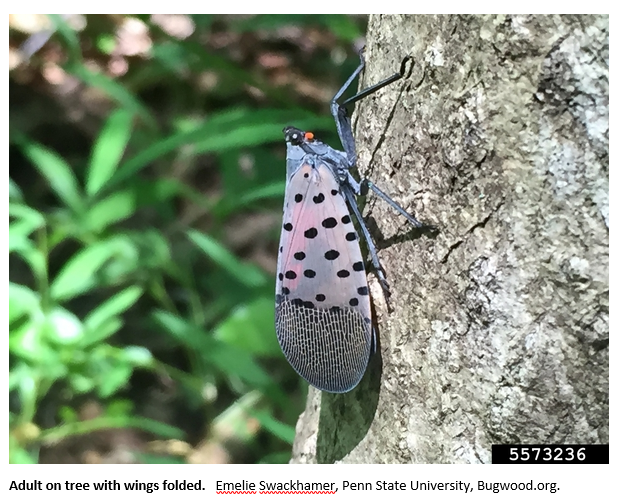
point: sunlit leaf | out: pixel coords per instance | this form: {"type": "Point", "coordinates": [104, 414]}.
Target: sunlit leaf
{"type": "Point", "coordinates": [114, 208]}
{"type": "Point", "coordinates": [244, 273]}
{"type": "Point", "coordinates": [22, 300]}
{"type": "Point", "coordinates": [105, 329]}
{"type": "Point", "coordinates": [113, 306]}
{"type": "Point", "coordinates": [78, 275]}
{"type": "Point", "coordinates": [251, 328]}
{"type": "Point", "coordinates": [108, 150]}
{"type": "Point", "coordinates": [63, 327]}
{"type": "Point", "coordinates": [235, 128]}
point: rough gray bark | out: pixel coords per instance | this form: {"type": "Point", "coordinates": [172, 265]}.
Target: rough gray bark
{"type": "Point", "coordinates": [499, 328]}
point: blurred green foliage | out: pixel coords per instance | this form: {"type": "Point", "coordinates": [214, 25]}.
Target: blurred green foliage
{"type": "Point", "coordinates": [128, 293]}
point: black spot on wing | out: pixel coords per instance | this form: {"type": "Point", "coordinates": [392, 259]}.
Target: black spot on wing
{"type": "Point", "coordinates": [331, 255]}
{"type": "Point", "coordinates": [319, 198]}
{"type": "Point", "coordinates": [329, 222]}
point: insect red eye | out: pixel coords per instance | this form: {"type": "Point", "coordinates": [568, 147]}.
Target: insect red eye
{"type": "Point", "coordinates": [309, 136]}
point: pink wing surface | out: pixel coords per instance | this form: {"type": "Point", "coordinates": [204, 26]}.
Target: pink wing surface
{"type": "Point", "coordinates": [323, 311]}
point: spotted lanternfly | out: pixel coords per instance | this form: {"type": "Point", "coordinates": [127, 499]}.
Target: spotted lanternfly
{"type": "Point", "coordinates": [323, 309]}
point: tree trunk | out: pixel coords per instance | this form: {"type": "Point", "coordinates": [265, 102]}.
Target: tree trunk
{"type": "Point", "coordinates": [497, 329]}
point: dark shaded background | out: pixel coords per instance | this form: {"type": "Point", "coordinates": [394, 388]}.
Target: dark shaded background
{"type": "Point", "coordinates": [146, 183]}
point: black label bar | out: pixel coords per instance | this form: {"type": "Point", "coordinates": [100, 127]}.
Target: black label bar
{"type": "Point", "coordinates": [550, 453]}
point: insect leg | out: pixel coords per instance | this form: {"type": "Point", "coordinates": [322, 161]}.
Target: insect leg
{"type": "Point", "coordinates": [349, 81]}
{"type": "Point", "coordinates": [374, 88]}
{"type": "Point", "coordinates": [363, 187]}
{"type": "Point", "coordinates": [349, 194]}
{"type": "Point", "coordinates": [340, 113]}
{"type": "Point", "coordinates": [392, 203]}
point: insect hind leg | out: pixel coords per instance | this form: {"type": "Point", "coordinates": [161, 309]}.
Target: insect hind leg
{"type": "Point", "coordinates": [373, 253]}
{"type": "Point", "coordinates": [366, 184]}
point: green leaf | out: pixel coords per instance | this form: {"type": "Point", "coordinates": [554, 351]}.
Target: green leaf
{"type": "Point", "coordinates": [112, 367]}
{"type": "Point", "coordinates": [15, 193]}
{"type": "Point", "coordinates": [116, 377]}
{"type": "Point", "coordinates": [56, 434]}
{"type": "Point", "coordinates": [63, 327]}
{"type": "Point", "coordinates": [68, 414]}
{"type": "Point", "coordinates": [18, 455]}
{"type": "Point", "coordinates": [22, 300]}
{"type": "Point", "coordinates": [108, 150]}
{"type": "Point", "coordinates": [229, 204]}
{"type": "Point", "coordinates": [251, 328]}
{"type": "Point", "coordinates": [78, 274]}
{"type": "Point", "coordinates": [35, 259]}
{"type": "Point", "coordinates": [229, 360]}
{"type": "Point", "coordinates": [245, 273]}
{"type": "Point", "coordinates": [106, 43]}
{"type": "Point", "coordinates": [112, 307]}
{"type": "Point", "coordinates": [114, 208]}
{"type": "Point", "coordinates": [107, 328]}
{"type": "Point", "coordinates": [231, 129]}
{"type": "Point", "coordinates": [80, 383]}
{"type": "Point", "coordinates": [57, 172]}
{"type": "Point", "coordinates": [260, 127]}
{"type": "Point", "coordinates": [24, 212]}
{"type": "Point", "coordinates": [237, 363]}
{"type": "Point", "coordinates": [27, 221]}
{"type": "Point", "coordinates": [25, 341]}
{"type": "Point", "coordinates": [186, 333]}
{"type": "Point", "coordinates": [137, 356]}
